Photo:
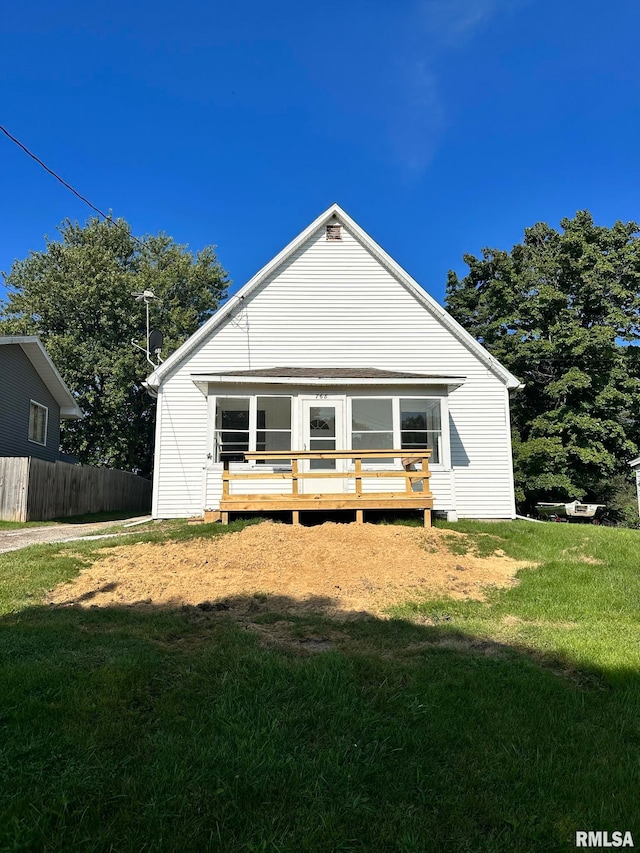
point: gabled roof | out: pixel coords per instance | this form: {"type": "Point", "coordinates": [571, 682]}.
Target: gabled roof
{"type": "Point", "coordinates": [383, 258]}
{"type": "Point", "coordinates": [46, 369]}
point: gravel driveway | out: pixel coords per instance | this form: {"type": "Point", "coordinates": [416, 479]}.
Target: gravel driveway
{"type": "Point", "coordinates": [13, 540]}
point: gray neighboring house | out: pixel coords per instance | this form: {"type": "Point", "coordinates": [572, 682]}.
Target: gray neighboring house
{"type": "Point", "coordinates": [33, 400]}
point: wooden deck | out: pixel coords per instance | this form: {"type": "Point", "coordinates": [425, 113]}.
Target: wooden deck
{"type": "Point", "coordinates": [413, 476]}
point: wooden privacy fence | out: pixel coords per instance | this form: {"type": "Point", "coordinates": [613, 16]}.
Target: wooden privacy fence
{"type": "Point", "coordinates": [413, 491]}
{"type": "Point", "coordinates": [34, 490]}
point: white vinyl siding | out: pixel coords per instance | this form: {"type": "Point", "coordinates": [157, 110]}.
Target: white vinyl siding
{"type": "Point", "coordinates": [335, 304]}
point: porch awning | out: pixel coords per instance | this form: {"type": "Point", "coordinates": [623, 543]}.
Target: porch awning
{"type": "Point", "coordinates": [325, 376]}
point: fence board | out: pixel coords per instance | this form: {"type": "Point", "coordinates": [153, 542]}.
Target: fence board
{"type": "Point", "coordinates": [14, 479]}
{"type": "Point", "coordinates": [35, 490]}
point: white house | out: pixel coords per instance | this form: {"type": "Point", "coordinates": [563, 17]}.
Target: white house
{"type": "Point", "coordinates": [333, 346]}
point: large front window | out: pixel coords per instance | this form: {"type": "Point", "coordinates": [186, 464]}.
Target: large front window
{"type": "Point", "coordinates": [251, 423]}
{"type": "Point", "coordinates": [416, 425]}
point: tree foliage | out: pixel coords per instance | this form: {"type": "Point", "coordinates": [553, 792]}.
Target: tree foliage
{"type": "Point", "coordinates": [561, 312]}
{"type": "Point", "coordinates": [77, 295]}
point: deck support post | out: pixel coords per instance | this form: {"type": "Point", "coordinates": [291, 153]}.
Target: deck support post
{"type": "Point", "coordinates": [427, 518]}
{"type": "Point", "coordinates": [224, 517]}
{"type": "Point", "coordinates": [295, 516]}
{"type": "Point", "coordinates": [359, 516]}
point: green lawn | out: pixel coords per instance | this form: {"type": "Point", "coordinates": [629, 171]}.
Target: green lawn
{"type": "Point", "coordinates": [453, 726]}
{"type": "Point", "coordinates": [88, 518]}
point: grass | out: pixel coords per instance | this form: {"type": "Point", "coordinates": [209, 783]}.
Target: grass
{"type": "Point", "coordinates": [87, 518]}
{"type": "Point", "coordinates": [452, 726]}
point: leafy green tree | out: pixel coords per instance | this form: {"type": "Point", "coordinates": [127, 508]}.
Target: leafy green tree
{"type": "Point", "coordinates": [561, 312]}
{"type": "Point", "coordinates": [77, 295]}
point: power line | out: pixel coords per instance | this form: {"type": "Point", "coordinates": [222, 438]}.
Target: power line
{"type": "Point", "coordinates": [63, 182]}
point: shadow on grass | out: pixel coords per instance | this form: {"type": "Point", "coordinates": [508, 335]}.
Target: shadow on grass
{"type": "Point", "coordinates": [250, 724]}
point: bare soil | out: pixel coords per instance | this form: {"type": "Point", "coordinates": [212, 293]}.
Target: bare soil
{"type": "Point", "coordinates": [336, 569]}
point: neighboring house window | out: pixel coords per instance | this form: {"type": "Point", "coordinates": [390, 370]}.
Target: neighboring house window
{"type": "Point", "coordinates": [38, 417]}
{"type": "Point", "coordinates": [420, 426]}
{"type": "Point", "coordinates": [251, 423]}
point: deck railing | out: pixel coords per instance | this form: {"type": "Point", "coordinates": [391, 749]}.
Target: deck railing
{"type": "Point", "coordinates": [414, 472]}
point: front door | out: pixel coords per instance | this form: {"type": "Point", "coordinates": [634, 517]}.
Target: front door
{"type": "Point", "coordinates": [323, 429]}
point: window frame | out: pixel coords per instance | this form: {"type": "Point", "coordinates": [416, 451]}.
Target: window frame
{"type": "Point", "coordinates": [442, 444]}
{"type": "Point", "coordinates": [32, 404]}
{"type": "Point", "coordinates": [299, 394]}
{"type": "Point", "coordinates": [253, 430]}
{"type": "Point", "coordinates": [439, 443]}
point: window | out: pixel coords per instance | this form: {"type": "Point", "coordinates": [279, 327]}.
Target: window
{"type": "Point", "coordinates": [420, 426]}
{"type": "Point", "coordinates": [334, 231]}
{"type": "Point", "coordinates": [323, 435]}
{"type": "Point", "coordinates": [372, 426]}
{"type": "Point", "coordinates": [273, 424]}
{"type": "Point", "coordinates": [38, 417]}
{"type": "Point", "coordinates": [232, 428]}
{"type": "Point", "coordinates": [251, 423]}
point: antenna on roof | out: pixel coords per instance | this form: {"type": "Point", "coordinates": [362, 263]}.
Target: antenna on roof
{"type": "Point", "coordinates": [154, 337]}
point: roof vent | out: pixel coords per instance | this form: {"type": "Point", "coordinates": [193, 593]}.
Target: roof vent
{"type": "Point", "coordinates": [334, 231]}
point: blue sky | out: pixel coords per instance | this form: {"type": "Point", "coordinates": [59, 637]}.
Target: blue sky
{"type": "Point", "coordinates": [441, 126]}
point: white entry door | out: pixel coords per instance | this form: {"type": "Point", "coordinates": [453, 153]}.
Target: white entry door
{"type": "Point", "coordinates": [323, 429]}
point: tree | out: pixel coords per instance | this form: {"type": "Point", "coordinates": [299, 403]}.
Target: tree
{"type": "Point", "coordinates": [561, 312]}
{"type": "Point", "coordinates": [77, 296]}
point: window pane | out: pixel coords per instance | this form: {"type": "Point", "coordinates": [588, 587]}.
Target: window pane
{"type": "Point", "coordinates": [232, 428]}
{"type": "Point", "coordinates": [420, 425]}
{"type": "Point", "coordinates": [422, 441]}
{"type": "Point", "coordinates": [369, 415]}
{"type": "Point", "coordinates": [420, 414]}
{"type": "Point", "coordinates": [273, 441]}
{"type": "Point", "coordinates": [415, 439]}
{"type": "Point", "coordinates": [274, 413]}
{"type": "Point", "coordinates": [371, 440]}
{"type": "Point", "coordinates": [38, 423]}
{"type": "Point", "coordinates": [320, 444]}
{"type": "Point", "coordinates": [322, 464]}
{"type": "Point", "coordinates": [232, 413]}
{"type": "Point", "coordinates": [322, 422]}
{"type": "Point", "coordinates": [231, 446]}
{"type": "Point", "coordinates": [235, 446]}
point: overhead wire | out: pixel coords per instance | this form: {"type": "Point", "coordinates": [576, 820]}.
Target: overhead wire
{"type": "Point", "coordinates": [68, 186]}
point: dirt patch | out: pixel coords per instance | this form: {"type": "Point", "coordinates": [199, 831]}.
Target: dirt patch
{"type": "Point", "coordinates": [343, 569]}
